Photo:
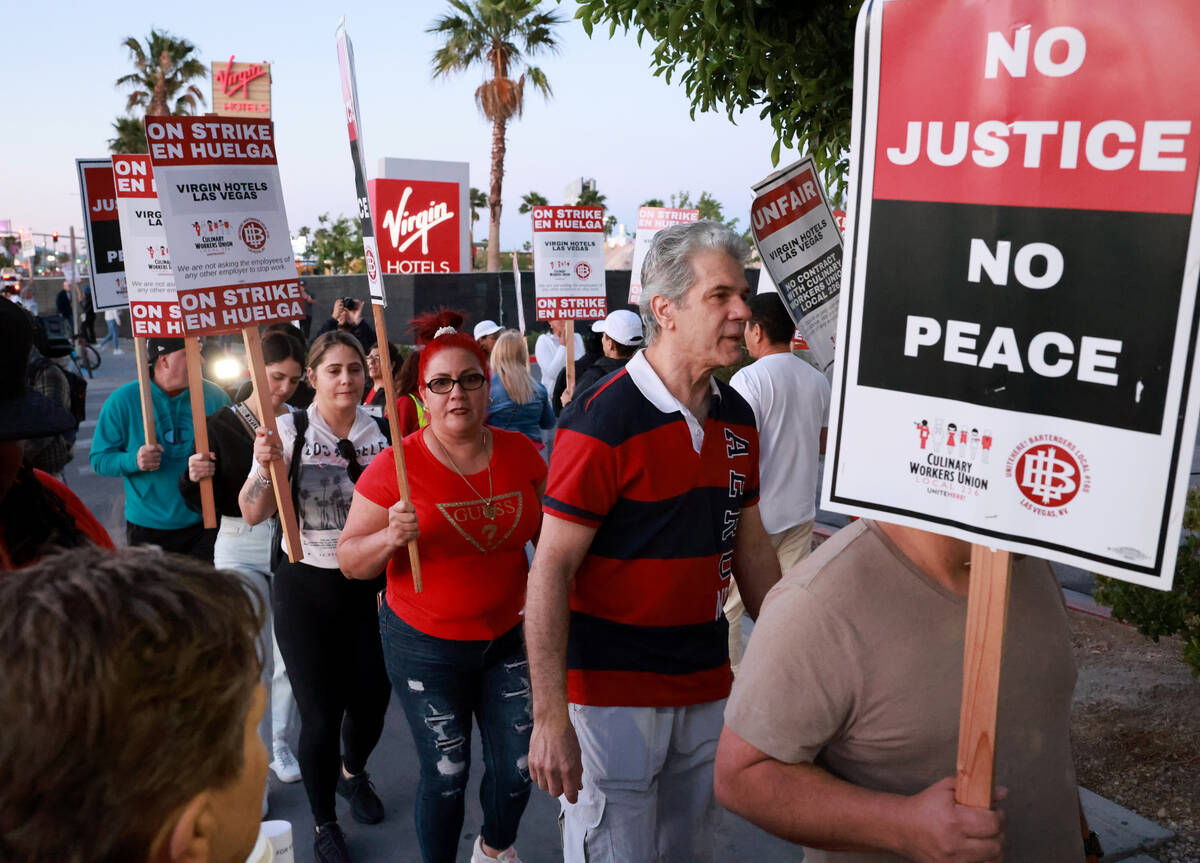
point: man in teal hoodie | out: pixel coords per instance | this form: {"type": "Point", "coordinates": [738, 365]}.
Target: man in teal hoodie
{"type": "Point", "coordinates": [155, 513]}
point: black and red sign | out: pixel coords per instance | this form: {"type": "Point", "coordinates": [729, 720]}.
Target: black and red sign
{"type": "Point", "coordinates": [1024, 189]}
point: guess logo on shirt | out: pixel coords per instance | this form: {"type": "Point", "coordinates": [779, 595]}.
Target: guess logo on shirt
{"type": "Point", "coordinates": [486, 534]}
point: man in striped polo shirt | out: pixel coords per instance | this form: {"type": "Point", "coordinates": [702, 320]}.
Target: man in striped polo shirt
{"type": "Point", "coordinates": [650, 514]}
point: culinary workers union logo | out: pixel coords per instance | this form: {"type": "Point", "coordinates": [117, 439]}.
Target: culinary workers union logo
{"type": "Point", "coordinates": [1050, 471]}
{"type": "Point", "coordinates": [372, 264]}
{"type": "Point", "coordinates": [583, 269]}
{"type": "Point", "coordinates": [254, 234]}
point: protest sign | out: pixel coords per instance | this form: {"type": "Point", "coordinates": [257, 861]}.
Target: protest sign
{"type": "Point", "coordinates": [345, 50]}
{"type": "Point", "coordinates": [227, 232]}
{"type": "Point", "coordinates": [354, 127]}
{"type": "Point", "coordinates": [106, 262]}
{"type": "Point", "coordinates": [568, 263]}
{"type": "Point", "coordinates": [28, 245]}
{"type": "Point", "coordinates": [1018, 335]}
{"type": "Point", "coordinates": [222, 206]}
{"type": "Point", "coordinates": [650, 221]}
{"type": "Point", "coordinates": [801, 247]}
{"type": "Point", "coordinates": [153, 308]}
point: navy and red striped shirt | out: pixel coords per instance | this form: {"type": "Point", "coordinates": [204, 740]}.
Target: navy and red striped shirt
{"type": "Point", "coordinates": [647, 626]}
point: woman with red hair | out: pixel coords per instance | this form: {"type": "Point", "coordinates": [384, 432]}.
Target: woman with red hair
{"type": "Point", "coordinates": [456, 648]}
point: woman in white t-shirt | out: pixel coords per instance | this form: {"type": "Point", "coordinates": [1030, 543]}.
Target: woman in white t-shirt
{"type": "Point", "coordinates": [326, 624]}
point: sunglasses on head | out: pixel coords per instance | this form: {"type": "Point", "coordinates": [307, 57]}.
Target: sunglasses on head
{"type": "Point", "coordinates": [443, 385]}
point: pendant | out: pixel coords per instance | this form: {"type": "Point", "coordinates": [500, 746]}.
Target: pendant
{"type": "Point", "coordinates": [489, 511]}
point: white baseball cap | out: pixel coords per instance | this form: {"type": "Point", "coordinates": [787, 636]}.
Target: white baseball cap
{"type": "Point", "coordinates": [486, 328]}
{"type": "Point", "coordinates": [622, 326]}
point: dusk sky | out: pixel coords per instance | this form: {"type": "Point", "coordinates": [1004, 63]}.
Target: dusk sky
{"type": "Point", "coordinates": [609, 118]}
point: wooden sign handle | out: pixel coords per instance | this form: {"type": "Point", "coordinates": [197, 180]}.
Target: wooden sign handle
{"type": "Point", "coordinates": [570, 337]}
{"type": "Point", "coordinates": [144, 393]}
{"type": "Point", "coordinates": [987, 611]}
{"type": "Point", "coordinates": [389, 396]}
{"type": "Point", "coordinates": [195, 366]}
{"type": "Point", "coordinates": [279, 478]}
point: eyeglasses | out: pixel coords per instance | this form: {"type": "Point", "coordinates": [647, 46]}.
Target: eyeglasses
{"type": "Point", "coordinates": [469, 381]}
{"type": "Point", "coordinates": [346, 450]}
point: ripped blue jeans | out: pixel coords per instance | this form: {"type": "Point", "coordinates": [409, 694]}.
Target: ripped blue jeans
{"type": "Point", "coordinates": [440, 684]}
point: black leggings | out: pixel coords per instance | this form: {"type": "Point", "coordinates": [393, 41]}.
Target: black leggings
{"type": "Point", "coordinates": [328, 632]}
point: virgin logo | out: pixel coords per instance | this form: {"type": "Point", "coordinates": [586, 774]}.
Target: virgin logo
{"type": "Point", "coordinates": [231, 81]}
{"type": "Point", "coordinates": [404, 228]}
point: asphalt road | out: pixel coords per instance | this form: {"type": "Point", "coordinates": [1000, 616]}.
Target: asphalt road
{"type": "Point", "coordinates": [393, 766]}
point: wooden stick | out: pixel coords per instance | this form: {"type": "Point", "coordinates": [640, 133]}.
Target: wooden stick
{"type": "Point", "coordinates": [279, 477]}
{"type": "Point", "coordinates": [570, 336]}
{"type": "Point", "coordinates": [389, 396]}
{"type": "Point", "coordinates": [987, 610]}
{"type": "Point", "coordinates": [195, 367]}
{"type": "Point", "coordinates": [144, 384]}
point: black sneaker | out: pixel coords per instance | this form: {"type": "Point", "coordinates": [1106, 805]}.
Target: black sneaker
{"type": "Point", "coordinates": [365, 805]}
{"type": "Point", "coordinates": [330, 844]}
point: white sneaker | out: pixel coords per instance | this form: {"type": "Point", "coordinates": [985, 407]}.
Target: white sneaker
{"type": "Point", "coordinates": [508, 855]}
{"type": "Point", "coordinates": [284, 764]}
{"type": "Point", "coordinates": [117, 352]}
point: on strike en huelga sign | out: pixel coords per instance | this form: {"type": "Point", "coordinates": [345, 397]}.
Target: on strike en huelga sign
{"type": "Point", "coordinates": [345, 51]}
{"type": "Point", "coordinates": [650, 221]}
{"type": "Point", "coordinates": [222, 207]}
{"type": "Point", "coordinates": [568, 263]}
{"type": "Point", "coordinates": [153, 308]}
{"type": "Point", "coordinates": [1018, 329]}
{"type": "Point", "coordinates": [106, 261]}
{"type": "Point", "coordinates": [801, 247]}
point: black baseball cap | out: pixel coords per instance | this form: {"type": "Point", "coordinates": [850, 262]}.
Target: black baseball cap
{"type": "Point", "coordinates": [156, 348]}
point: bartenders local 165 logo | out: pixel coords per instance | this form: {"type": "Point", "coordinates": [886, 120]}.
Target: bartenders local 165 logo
{"type": "Point", "coordinates": [1050, 471]}
{"type": "Point", "coordinates": [254, 234]}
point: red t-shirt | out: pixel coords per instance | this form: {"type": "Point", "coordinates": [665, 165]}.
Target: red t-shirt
{"type": "Point", "coordinates": [473, 569]}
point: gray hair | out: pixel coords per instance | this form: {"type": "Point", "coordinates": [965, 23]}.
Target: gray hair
{"type": "Point", "coordinates": [667, 271]}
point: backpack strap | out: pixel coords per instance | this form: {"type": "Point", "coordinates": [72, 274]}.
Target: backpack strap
{"type": "Point", "coordinates": [249, 420]}
{"type": "Point", "coordinates": [300, 418]}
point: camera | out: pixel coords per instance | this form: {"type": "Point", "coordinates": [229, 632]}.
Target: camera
{"type": "Point", "coordinates": [350, 304]}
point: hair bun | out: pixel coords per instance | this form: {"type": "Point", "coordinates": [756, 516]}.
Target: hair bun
{"type": "Point", "coordinates": [428, 326]}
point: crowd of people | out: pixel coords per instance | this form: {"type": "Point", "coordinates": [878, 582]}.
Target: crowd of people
{"type": "Point", "coordinates": [603, 561]}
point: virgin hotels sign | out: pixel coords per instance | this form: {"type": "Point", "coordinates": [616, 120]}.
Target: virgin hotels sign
{"type": "Point", "coordinates": [421, 217]}
{"type": "Point", "coordinates": [241, 89]}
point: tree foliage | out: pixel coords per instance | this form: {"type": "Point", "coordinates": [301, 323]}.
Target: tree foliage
{"type": "Point", "coordinates": [335, 245]}
{"type": "Point", "coordinates": [792, 61]}
{"type": "Point", "coordinates": [130, 136]}
{"type": "Point", "coordinates": [499, 36]}
{"type": "Point", "coordinates": [1156, 613]}
{"type": "Point", "coordinates": [530, 200]}
{"type": "Point", "coordinates": [163, 71]}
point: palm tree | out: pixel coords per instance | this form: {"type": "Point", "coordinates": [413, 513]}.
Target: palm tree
{"type": "Point", "coordinates": [163, 70]}
{"type": "Point", "coordinates": [478, 202]}
{"type": "Point", "coordinates": [498, 35]}
{"type": "Point", "coordinates": [530, 200]}
{"type": "Point", "coordinates": [591, 197]}
{"type": "Point", "coordinates": [130, 137]}
{"type": "Point", "coordinates": [654, 202]}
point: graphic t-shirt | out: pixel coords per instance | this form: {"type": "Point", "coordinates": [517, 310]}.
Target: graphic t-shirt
{"type": "Point", "coordinates": [473, 567]}
{"type": "Point", "coordinates": [325, 489]}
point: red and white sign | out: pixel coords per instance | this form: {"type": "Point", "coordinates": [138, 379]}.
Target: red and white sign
{"type": "Point", "coordinates": [241, 89]}
{"type": "Point", "coordinates": [106, 261]}
{"type": "Point", "coordinates": [153, 307]}
{"type": "Point", "coordinates": [1021, 278]}
{"type": "Point", "coordinates": [650, 221]}
{"type": "Point", "coordinates": [568, 263]}
{"type": "Point", "coordinates": [419, 225]}
{"type": "Point", "coordinates": [222, 207]}
{"type": "Point", "coordinates": [801, 248]}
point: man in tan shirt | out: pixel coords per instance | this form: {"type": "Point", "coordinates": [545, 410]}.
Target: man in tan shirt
{"type": "Point", "coordinates": [841, 731]}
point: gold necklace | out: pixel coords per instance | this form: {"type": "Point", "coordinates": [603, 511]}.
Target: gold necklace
{"type": "Point", "coordinates": [489, 509]}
